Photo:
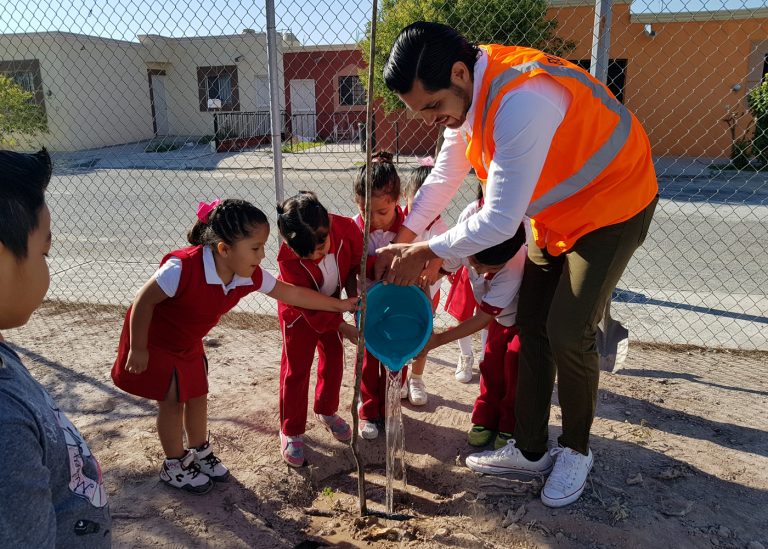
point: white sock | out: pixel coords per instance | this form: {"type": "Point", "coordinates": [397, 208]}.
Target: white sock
{"type": "Point", "coordinates": [465, 344]}
{"type": "Point", "coordinates": [483, 337]}
{"type": "Point", "coordinates": [416, 376]}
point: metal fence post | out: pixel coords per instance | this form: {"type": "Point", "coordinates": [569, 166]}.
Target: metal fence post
{"type": "Point", "coordinates": [601, 40]}
{"type": "Point", "coordinates": [274, 101]}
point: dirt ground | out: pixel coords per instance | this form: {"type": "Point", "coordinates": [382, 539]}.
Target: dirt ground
{"type": "Point", "coordinates": [681, 453]}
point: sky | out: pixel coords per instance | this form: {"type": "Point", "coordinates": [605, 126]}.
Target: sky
{"type": "Point", "coordinates": [312, 21]}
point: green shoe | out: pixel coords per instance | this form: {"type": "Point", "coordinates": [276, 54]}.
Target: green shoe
{"type": "Point", "coordinates": [479, 436]}
{"type": "Point", "coordinates": [501, 440]}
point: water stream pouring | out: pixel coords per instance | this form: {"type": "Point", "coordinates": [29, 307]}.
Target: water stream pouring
{"type": "Point", "coordinates": [398, 326]}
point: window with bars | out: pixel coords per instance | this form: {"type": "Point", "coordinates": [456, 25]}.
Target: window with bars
{"type": "Point", "coordinates": [217, 88]}
{"type": "Point", "coordinates": [351, 91]}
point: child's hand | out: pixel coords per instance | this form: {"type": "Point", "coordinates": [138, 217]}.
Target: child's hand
{"type": "Point", "coordinates": [349, 331]}
{"type": "Point", "coordinates": [137, 361]}
{"type": "Point", "coordinates": [348, 305]}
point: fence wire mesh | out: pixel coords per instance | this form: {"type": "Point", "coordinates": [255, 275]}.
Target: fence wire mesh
{"type": "Point", "coordinates": [150, 108]}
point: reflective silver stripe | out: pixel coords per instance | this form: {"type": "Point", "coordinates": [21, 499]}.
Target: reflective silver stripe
{"type": "Point", "coordinates": [595, 164]}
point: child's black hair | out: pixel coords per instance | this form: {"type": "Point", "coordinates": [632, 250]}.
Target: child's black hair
{"type": "Point", "coordinates": [416, 180]}
{"type": "Point", "coordinates": [23, 180]}
{"type": "Point", "coordinates": [230, 221]}
{"type": "Point", "coordinates": [303, 223]}
{"type": "Point", "coordinates": [501, 253]}
{"type": "Point", "coordinates": [385, 180]}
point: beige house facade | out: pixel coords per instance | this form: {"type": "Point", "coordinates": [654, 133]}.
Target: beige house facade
{"type": "Point", "coordinates": [98, 92]}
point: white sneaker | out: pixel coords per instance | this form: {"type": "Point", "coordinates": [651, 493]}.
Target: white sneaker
{"type": "Point", "coordinates": [417, 392]}
{"type": "Point", "coordinates": [568, 478]}
{"type": "Point", "coordinates": [185, 473]}
{"type": "Point", "coordinates": [464, 368]}
{"type": "Point", "coordinates": [368, 429]}
{"type": "Point", "coordinates": [210, 464]}
{"type": "Point", "coordinates": [508, 459]}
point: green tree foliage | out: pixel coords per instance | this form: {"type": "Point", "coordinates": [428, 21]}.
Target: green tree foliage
{"type": "Point", "coordinates": [19, 114]}
{"type": "Point", "coordinates": [757, 100]}
{"type": "Point", "coordinates": [511, 22]}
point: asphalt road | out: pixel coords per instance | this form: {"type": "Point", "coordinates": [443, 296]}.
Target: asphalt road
{"type": "Point", "coordinates": [701, 276]}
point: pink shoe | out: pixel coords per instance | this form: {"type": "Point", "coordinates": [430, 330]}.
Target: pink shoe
{"type": "Point", "coordinates": [292, 449]}
{"type": "Point", "coordinates": [339, 428]}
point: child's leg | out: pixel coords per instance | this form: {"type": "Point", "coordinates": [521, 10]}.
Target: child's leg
{"type": "Point", "coordinates": [299, 342]}
{"type": "Point", "coordinates": [196, 421]}
{"type": "Point", "coordinates": [507, 403]}
{"type": "Point", "coordinates": [465, 346]}
{"type": "Point", "coordinates": [170, 423]}
{"type": "Point", "coordinates": [483, 339]}
{"type": "Point", "coordinates": [330, 369]}
{"type": "Point", "coordinates": [418, 365]}
{"type": "Point", "coordinates": [370, 397]}
{"type": "Point", "coordinates": [486, 410]}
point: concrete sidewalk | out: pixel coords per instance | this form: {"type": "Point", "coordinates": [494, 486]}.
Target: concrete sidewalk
{"type": "Point", "coordinates": [330, 157]}
{"type": "Point", "coordinates": [193, 156]}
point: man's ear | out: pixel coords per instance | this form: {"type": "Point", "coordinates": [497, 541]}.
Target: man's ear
{"type": "Point", "coordinates": [460, 73]}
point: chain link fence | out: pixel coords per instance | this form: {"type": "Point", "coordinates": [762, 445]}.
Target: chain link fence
{"type": "Point", "coordinates": [150, 108]}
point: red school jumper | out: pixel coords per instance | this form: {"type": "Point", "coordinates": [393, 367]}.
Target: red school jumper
{"type": "Point", "coordinates": [305, 330]}
{"type": "Point", "coordinates": [176, 332]}
{"type": "Point", "coordinates": [373, 381]}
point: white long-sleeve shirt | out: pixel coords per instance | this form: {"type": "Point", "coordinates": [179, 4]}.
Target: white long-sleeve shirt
{"type": "Point", "coordinates": [525, 124]}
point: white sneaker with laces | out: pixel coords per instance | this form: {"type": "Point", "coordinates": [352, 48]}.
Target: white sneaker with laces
{"type": "Point", "coordinates": [568, 478]}
{"type": "Point", "coordinates": [508, 459]}
{"type": "Point", "coordinates": [185, 473]}
{"type": "Point", "coordinates": [210, 464]}
{"type": "Point", "coordinates": [464, 368]}
{"type": "Point", "coordinates": [417, 391]}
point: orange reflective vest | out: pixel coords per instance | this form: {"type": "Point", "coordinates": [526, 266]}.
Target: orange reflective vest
{"type": "Point", "coordinates": [599, 169]}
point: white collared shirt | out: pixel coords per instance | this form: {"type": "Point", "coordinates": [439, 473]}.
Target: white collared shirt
{"type": "Point", "coordinates": [330, 271]}
{"type": "Point", "coordinates": [168, 276]}
{"type": "Point", "coordinates": [525, 124]}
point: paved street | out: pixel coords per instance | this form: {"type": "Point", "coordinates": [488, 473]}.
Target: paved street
{"type": "Point", "coordinates": [700, 278]}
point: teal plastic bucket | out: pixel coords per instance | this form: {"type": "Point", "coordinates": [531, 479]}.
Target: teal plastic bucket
{"type": "Point", "coordinates": [398, 323]}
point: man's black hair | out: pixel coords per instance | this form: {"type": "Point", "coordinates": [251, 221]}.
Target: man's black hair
{"type": "Point", "coordinates": [427, 52]}
{"type": "Point", "coordinates": [24, 178]}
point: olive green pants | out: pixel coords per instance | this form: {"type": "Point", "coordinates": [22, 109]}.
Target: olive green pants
{"type": "Point", "coordinates": [562, 300]}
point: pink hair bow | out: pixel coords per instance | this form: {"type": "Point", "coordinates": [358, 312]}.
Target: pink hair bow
{"type": "Point", "coordinates": [204, 209]}
{"type": "Point", "coordinates": [428, 161]}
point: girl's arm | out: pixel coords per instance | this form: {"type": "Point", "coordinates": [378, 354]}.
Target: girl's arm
{"type": "Point", "coordinates": [468, 327]}
{"type": "Point", "coordinates": [141, 315]}
{"type": "Point", "coordinates": [310, 299]}
{"type": "Point", "coordinates": [350, 286]}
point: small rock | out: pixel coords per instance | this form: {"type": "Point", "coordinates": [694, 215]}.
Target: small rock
{"type": "Point", "coordinates": [211, 342]}
{"type": "Point", "coordinates": [627, 413]}
{"type": "Point", "coordinates": [755, 545]}
{"type": "Point", "coordinates": [723, 532]}
{"type": "Point", "coordinates": [513, 517]}
{"type": "Point", "coordinates": [336, 525]}
{"type": "Point", "coordinates": [442, 532]}
{"type": "Point", "coordinates": [559, 536]}
{"type": "Point", "coordinates": [168, 512]}
{"type": "Point", "coordinates": [637, 479]}
{"type": "Point", "coordinates": [481, 496]}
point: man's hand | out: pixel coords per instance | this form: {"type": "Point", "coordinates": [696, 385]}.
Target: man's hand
{"type": "Point", "coordinates": [138, 360]}
{"type": "Point", "coordinates": [349, 331]}
{"type": "Point", "coordinates": [405, 261]}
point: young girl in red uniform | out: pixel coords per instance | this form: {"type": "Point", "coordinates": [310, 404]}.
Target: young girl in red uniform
{"type": "Point", "coordinates": [160, 354]}
{"type": "Point", "coordinates": [322, 252]}
{"type": "Point", "coordinates": [430, 279]}
{"type": "Point", "coordinates": [386, 219]}
{"type": "Point", "coordinates": [460, 303]}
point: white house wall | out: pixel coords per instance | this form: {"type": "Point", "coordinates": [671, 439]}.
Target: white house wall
{"type": "Point", "coordinates": [99, 94]}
